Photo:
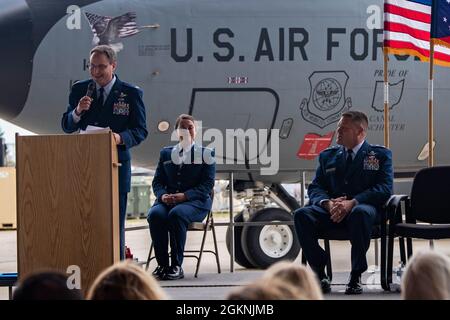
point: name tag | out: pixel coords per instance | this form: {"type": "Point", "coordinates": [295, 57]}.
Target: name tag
{"type": "Point", "coordinates": [371, 163]}
{"type": "Point", "coordinates": [330, 170]}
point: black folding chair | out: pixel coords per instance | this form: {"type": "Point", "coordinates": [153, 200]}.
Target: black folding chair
{"type": "Point", "coordinates": [379, 231]}
{"type": "Point", "coordinates": [426, 212]}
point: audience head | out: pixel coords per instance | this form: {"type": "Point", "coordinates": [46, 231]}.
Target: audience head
{"type": "Point", "coordinates": [266, 289]}
{"type": "Point", "coordinates": [427, 277]}
{"type": "Point", "coordinates": [299, 276]}
{"type": "Point", "coordinates": [125, 281]}
{"type": "Point", "coordinates": [46, 285]}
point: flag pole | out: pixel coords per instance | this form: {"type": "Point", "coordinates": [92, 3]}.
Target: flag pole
{"type": "Point", "coordinates": [430, 108]}
{"type": "Point", "coordinates": [386, 99]}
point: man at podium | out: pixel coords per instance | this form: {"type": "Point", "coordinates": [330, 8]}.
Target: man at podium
{"type": "Point", "coordinates": [105, 101]}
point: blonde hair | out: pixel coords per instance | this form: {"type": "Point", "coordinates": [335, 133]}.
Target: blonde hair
{"type": "Point", "coordinates": [297, 275]}
{"type": "Point", "coordinates": [266, 289]}
{"type": "Point", "coordinates": [125, 281]}
{"type": "Point", "coordinates": [427, 277]}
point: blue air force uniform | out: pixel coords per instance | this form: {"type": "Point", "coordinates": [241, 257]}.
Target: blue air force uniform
{"type": "Point", "coordinates": [123, 111]}
{"type": "Point", "coordinates": [369, 180]}
{"type": "Point", "coordinates": [194, 178]}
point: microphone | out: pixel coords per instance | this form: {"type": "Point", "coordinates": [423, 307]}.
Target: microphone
{"type": "Point", "coordinates": [89, 93]}
{"type": "Point", "coordinates": [90, 89]}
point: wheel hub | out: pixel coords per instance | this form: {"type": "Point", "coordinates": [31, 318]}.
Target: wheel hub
{"type": "Point", "coordinates": [276, 240]}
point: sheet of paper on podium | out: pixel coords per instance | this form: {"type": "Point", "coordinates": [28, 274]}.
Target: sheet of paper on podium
{"type": "Point", "coordinates": [93, 129]}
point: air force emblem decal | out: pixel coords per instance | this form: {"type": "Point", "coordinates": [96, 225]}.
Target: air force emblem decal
{"type": "Point", "coordinates": [327, 99]}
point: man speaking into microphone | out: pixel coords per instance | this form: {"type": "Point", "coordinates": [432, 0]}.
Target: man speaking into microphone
{"type": "Point", "coordinates": [105, 101]}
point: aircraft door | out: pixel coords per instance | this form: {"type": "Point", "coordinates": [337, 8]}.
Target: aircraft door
{"type": "Point", "coordinates": [229, 109]}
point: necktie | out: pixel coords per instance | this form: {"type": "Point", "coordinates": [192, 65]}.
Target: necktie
{"type": "Point", "coordinates": [100, 97]}
{"type": "Point", "coordinates": [181, 154]}
{"type": "Point", "coordinates": [349, 160]}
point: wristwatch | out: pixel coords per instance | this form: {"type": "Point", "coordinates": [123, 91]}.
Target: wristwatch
{"type": "Point", "coordinates": [78, 114]}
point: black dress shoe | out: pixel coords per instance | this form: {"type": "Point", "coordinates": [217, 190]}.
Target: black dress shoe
{"type": "Point", "coordinates": [159, 272]}
{"type": "Point", "coordinates": [354, 286]}
{"type": "Point", "coordinates": [325, 285]}
{"type": "Point", "coordinates": [174, 273]}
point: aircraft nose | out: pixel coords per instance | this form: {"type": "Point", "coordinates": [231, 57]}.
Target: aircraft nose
{"type": "Point", "coordinates": [16, 54]}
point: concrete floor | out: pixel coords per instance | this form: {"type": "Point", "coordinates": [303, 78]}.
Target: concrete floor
{"type": "Point", "coordinates": [212, 286]}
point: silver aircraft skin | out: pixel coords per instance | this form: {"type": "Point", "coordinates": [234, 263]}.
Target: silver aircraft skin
{"type": "Point", "coordinates": [234, 64]}
{"type": "Point", "coordinates": [251, 64]}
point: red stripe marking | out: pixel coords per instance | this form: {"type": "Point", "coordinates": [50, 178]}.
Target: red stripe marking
{"type": "Point", "coordinates": [408, 13]}
{"type": "Point", "coordinates": [397, 27]}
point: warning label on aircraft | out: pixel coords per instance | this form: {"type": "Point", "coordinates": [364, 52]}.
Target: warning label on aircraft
{"type": "Point", "coordinates": [313, 144]}
{"type": "Point", "coordinates": [327, 99]}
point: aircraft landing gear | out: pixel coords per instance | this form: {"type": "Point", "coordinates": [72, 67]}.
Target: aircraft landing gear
{"type": "Point", "coordinates": [239, 255]}
{"type": "Point", "coordinates": [262, 246]}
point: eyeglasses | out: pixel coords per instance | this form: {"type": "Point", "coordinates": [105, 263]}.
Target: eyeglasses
{"type": "Point", "coordinates": [100, 67]}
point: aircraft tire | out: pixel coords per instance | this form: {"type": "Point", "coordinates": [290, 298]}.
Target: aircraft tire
{"type": "Point", "coordinates": [265, 245]}
{"type": "Point", "coordinates": [239, 255]}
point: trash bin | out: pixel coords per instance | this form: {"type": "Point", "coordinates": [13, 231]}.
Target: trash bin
{"type": "Point", "coordinates": [138, 201]}
{"type": "Point", "coordinates": [143, 194]}
{"type": "Point", "coordinates": [131, 212]}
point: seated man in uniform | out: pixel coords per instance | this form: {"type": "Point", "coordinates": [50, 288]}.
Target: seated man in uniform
{"type": "Point", "coordinates": [352, 183]}
{"type": "Point", "coordinates": [182, 184]}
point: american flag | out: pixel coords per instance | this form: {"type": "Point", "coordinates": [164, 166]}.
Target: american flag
{"type": "Point", "coordinates": [407, 25]}
{"type": "Point", "coordinates": [440, 22]}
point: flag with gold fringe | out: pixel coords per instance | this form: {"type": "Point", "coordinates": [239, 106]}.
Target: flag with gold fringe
{"type": "Point", "coordinates": [407, 26]}
{"type": "Point", "coordinates": [440, 22]}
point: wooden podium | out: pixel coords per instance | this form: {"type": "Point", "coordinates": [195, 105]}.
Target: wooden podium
{"type": "Point", "coordinates": [67, 204]}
